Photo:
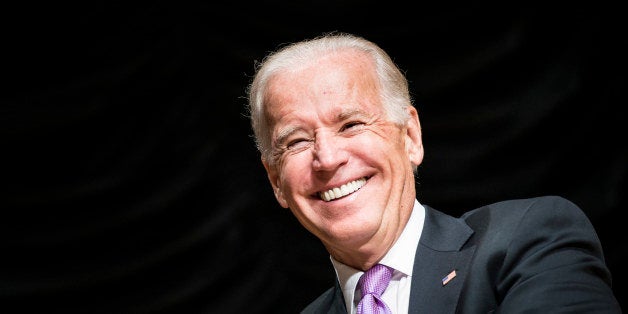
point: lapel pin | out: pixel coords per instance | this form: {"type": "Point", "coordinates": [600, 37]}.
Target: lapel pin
{"type": "Point", "coordinates": [449, 277]}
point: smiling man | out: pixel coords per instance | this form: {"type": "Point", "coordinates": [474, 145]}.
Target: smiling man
{"type": "Point", "coordinates": [341, 142]}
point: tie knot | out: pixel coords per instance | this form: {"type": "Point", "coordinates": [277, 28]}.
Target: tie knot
{"type": "Point", "coordinates": [375, 280]}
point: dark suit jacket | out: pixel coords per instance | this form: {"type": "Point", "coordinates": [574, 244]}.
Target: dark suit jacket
{"type": "Point", "coordinates": [538, 255]}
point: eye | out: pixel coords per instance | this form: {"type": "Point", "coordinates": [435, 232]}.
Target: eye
{"type": "Point", "coordinates": [351, 125]}
{"type": "Point", "coordinates": [297, 143]}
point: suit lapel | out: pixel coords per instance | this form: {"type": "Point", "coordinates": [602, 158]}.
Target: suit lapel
{"type": "Point", "coordinates": [338, 305]}
{"type": "Point", "coordinates": [439, 253]}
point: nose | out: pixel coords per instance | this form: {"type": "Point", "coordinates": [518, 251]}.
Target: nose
{"type": "Point", "coordinates": [329, 153]}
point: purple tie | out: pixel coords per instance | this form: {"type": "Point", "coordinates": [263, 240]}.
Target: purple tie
{"type": "Point", "coordinates": [372, 284]}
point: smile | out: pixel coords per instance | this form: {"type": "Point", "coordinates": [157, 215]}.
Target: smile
{"type": "Point", "coordinates": [343, 190]}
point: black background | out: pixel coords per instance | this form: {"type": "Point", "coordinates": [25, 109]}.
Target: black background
{"type": "Point", "coordinates": [132, 184]}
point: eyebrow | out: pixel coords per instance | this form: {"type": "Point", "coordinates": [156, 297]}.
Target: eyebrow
{"type": "Point", "coordinates": [285, 133]}
{"type": "Point", "coordinates": [350, 114]}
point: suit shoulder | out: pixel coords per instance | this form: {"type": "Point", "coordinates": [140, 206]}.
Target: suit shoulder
{"type": "Point", "coordinates": [542, 207]}
{"type": "Point", "coordinates": [511, 218]}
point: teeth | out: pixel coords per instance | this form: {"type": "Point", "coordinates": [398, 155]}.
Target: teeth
{"type": "Point", "coordinates": [343, 190]}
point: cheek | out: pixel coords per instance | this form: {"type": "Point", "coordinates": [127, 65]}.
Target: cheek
{"type": "Point", "coordinates": [294, 170]}
{"type": "Point", "coordinates": [394, 141]}
{"type": "Point", "coordinates": [386, 151]}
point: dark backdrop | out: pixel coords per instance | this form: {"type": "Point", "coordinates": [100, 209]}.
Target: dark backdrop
{"type": "Point", "coordinates": [131, 183]}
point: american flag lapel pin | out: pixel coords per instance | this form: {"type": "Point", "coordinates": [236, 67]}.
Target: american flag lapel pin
{"type": "Point", "coordinates": [449, 277]}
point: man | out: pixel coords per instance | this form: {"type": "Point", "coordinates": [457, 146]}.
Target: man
{"type": "Point", "coordinates": [341, 142]}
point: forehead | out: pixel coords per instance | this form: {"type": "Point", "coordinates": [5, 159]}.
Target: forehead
{"type": "Point", "coordinates": [334, 81]}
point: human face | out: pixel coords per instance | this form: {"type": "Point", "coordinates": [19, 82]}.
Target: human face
{"type": "Point", "coordinates": [329, 132]}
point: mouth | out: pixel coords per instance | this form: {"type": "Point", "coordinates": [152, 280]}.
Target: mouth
{"type": "Point", "coordinates": [342, 191]}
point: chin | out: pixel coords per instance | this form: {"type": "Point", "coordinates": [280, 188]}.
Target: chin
{"type": "Point", "coordinates": [351, 232]}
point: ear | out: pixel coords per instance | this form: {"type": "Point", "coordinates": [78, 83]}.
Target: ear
{"type": "Point", "coordinates": [273, 177]}
{"type": "Point", "coordinates": [414, 142]}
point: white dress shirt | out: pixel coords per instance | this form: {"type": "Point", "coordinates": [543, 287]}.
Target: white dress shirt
{"type": "Point", "coordinates": [400, 257]}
